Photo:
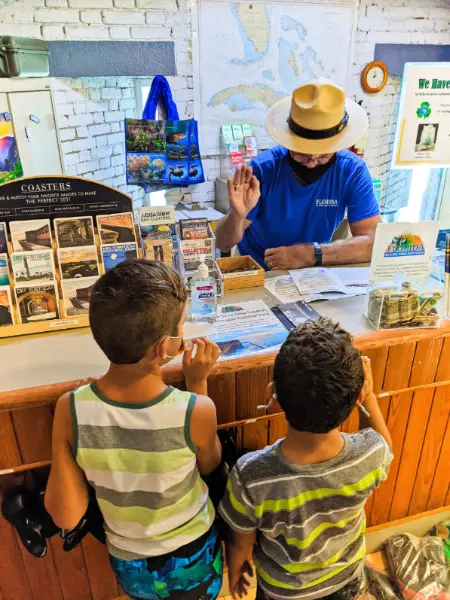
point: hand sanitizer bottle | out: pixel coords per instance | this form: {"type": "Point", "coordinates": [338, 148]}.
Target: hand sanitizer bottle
{"type": "Point", "coordinates": [204, 295]}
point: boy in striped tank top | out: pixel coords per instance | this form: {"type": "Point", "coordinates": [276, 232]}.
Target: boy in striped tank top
{"type": "Point", "coordinates": [299, 504]}
{"type": "Point", "coordinates": [143, 445]}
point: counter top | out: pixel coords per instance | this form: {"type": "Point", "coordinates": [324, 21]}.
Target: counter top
{"type": "Point", "coordinates": [72, 355]}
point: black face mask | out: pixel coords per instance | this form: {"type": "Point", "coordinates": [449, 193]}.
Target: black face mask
{"type": "Point", "coordinates": [309, 176]}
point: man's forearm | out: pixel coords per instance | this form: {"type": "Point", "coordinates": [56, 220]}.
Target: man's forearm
{"type": "Point", "coordinates": [355, 250]}
{"type": "Point", "coordinates": [230, 231]}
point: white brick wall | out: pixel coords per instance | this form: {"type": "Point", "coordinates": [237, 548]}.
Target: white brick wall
{"type": "Point", "coordinates": [90, 111]}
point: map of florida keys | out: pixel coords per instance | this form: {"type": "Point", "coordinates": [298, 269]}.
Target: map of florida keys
{"type": "Point", "coordinates": [253, 54]}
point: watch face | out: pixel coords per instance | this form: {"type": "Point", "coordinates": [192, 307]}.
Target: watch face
{"type": "Point", "coordinates": [375, 77]}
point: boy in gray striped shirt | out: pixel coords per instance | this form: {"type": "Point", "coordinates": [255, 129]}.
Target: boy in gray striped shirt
{"type": "Point", "coordinates": [299, 504]}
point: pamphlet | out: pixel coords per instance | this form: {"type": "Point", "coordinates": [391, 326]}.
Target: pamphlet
{"type": "Point", "coordinates": [317, 281]}
{"type": "Point", "coordinates": [161, 250]}
{"type": "Point", "coordinates": [3, 239]}
{"type": "Point", "coordinates": [403, 248]}
{"type": "Point", "coordinates": [157, 223]}
{"type": "Point", "coordinates": [116, 229]}
{"type": "Point", "coordinates": [114, 254]}
{"type": "Point", "coordinates": [77, 295]}
{"type": "Point", "coordinates": [37, 302]}
{"type": "Point", "coordinates": [294, 314]}
{"type": "Point", "coordinates": [246, 328]}
{"type": "Point", "coordinates": [6, 308]}
{"type": "Point", "coordinates": [194, 249]}
{"type": "Point", "coordinates": [73, 232]}
{"type": "Point", "coordinates": [283, 288]}
{"type": "Point", "coordinates": [33, 267]}
{"type": "Point", "coordinates": [78, 262]}
{"type": "Point", "coordinates": [194, 229]}
{"type": "Point", "coordinates": [30, 235]}
{"type": "Point", "coordinates": [4, 270]}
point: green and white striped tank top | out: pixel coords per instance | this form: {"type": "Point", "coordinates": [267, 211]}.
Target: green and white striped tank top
{"type": "Point", "coordinates": [140, 459]}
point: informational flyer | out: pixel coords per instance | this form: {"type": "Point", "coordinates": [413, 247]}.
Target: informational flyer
{"type": "Point", "coordinates": [243, 329]}
{"type": "Point", "coordinates": [283, 288]}
{"type": "Point", "coordinates": [423, 126]}
{"type": "Point", "coordinates": [403, 248]}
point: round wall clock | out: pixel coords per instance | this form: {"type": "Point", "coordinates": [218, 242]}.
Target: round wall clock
{"type": "Point", "coordinates": [374, 77]}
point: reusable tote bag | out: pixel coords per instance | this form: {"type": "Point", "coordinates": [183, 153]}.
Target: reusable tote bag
{"type": "Point", "coordinates": [162, 152]}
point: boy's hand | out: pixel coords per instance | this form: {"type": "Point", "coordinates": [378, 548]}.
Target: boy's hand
{"type": "Point", "coordinates": [238, 580]}
{"type": "Point", "coordinates": [369, 395]}
{"type": "Point", "coordinates": [197, 368]}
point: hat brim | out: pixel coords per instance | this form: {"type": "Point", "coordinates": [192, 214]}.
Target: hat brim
{"type": "Point", "coordinates": [278, 129]}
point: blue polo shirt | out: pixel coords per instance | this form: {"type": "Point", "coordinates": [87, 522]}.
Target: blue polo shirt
{"type": "Point", "coordinates": [288, 213]}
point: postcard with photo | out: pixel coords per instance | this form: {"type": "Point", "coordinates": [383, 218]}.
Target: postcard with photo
{"type": "Point", "coordinates": [6, 307]}
{"type": "Point", "coordinates": [194, 229]}
{"type": "Point", "coordinates": [116, 229]}
{"type": "Point", "coordinates": [157, 223]}
{"type": "Point", "coordinates": [145, 136]}
{"type": "Point", "coordinates": [78, 262]}
{"type": "Point", "coordinates": [33, 267]}
{"type": "Point", "coordinates": [73, 232]}
{"type": "Point", "coordinates": [159, 250]}
{"type": "Point", "coordinates": [37, 302]}
{"type": "Point", "coordinates": [145, 168]}
{"type": "Point", "coordinates": [77, 296]}
{"type": "Point", "coordinates": [176, 133]}
{"type": "Point", "coordinates": [30, 235]}
{"type": "Point", "coordinates": [4, 270]}
{"type": "Point", "coordinates": [114, 254]}
{"type": "Point", "coordinates": [3, 239]}
{"type": "Point", "coordinates": [177, 172]}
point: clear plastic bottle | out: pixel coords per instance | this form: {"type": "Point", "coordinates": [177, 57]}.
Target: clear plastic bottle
{"type": "Point", "coordinates": [204, 295]}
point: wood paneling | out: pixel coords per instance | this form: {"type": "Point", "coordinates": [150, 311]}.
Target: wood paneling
{"type": "Point", "coordinates": [251, 390]}
{"type": "Point", "coordinates": [412, 449]}
{"type": "Point", "coordinates": [426, 361]}
{"type": "Point", "coordinates": [255, 435]}
{"type": "Point", "coordinates": [277, 429]}
{"type": "Point", "coordinates": [398, 366]}
{"type": "Point", "coordinates": [397, 420]}
{"type": "Point", "coordinates": [14, 583]}
{"type": "Point", "coordinates": [71, 569]}
{"type": "Point", "coordinates": [441, 481]}
{"type": "Point", "coordinates": [42, 575]}
{"type": "Point", "coordinates": [222, 390]}
{"type": "Point", "coordinates": [101, 578]}
{"type": "Point", "coordinates": [429, 458]}
{"type": "Point", "coordinates": [9, 452]}
{"type": "Point", "coordinates": [378, 360]}
{"type": "Point", "coordinates": [33, 428]}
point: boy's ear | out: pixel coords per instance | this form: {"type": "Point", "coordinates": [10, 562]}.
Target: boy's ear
{"type": "Point", "coordinates": [159, 350]}
{"type": "Point", "coordinates": [271, 390]}
{"type": "Point", "coordinates": [361, 396]}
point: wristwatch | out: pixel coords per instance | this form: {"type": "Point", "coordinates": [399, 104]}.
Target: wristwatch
{"type": "Point", "coordinates": [318, 253]}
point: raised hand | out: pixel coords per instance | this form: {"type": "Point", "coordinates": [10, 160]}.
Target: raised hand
{"type": "Point", "coordinates": [243, 191]}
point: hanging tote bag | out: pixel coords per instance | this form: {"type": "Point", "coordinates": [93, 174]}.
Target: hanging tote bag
{"type": "Point", "coordinates": [162, 151]}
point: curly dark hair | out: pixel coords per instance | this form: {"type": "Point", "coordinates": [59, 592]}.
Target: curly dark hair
{"type": "Point", "coordinates": [318, 376]}
{"type": "Point", "coordinates": [133, 305]}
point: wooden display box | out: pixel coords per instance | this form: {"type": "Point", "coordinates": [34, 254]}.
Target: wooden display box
{"type": "Point", "coordinates": [240, 272]}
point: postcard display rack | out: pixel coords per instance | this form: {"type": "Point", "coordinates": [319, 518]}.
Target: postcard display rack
{"type": "Point", "coordinates": [58, 234]}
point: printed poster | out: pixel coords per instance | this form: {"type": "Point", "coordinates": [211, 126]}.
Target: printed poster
{"type": "Point", "coordinates": [406, 248]}
{"type": "Point", "coordinates": [10, 165]}
{"type": "Point", "coordinates": [423, 126]}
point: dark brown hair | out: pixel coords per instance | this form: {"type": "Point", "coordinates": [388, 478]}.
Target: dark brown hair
{"type": "Point", "coordinates": [318, 376]}
{"type": "Point", "coordinates": [134, 305]}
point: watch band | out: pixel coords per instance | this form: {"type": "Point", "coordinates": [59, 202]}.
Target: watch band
{"type": "Point", "coordinates": [319, 254]}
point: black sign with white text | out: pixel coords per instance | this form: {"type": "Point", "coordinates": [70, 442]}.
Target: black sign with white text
{"type": "Point", "coordinates": [55, 196]}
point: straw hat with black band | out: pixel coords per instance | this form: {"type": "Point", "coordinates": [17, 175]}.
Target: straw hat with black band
{"type": "Point", "coordinates": [317, 119]}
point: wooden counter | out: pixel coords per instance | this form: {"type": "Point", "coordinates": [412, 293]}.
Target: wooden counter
{"type": "Point", "coordinates": [412, 378]}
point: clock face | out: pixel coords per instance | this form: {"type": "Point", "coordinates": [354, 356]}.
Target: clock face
{"type": "Point", "coordinates": [375, 77]}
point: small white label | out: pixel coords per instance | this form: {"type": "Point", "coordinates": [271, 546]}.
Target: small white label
{"type": "Point", "coordinates": [241, 274]}
{"type": "Point", "coordinates": [64, 323]}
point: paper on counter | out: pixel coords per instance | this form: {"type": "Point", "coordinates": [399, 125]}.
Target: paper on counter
{"type": "Point", "coordinates": [353, 277]}
{"type": "Point", "coordinates": [283, 288]}
{"type": "Point", "coordinates": [316, 281]}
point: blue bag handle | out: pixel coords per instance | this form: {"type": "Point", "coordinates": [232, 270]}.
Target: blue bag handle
{"type": "Point", "coordinates": [160, 92]}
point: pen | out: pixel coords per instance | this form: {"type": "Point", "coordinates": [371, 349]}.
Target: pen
{"type": "Point", "coordinates": [364, 410]}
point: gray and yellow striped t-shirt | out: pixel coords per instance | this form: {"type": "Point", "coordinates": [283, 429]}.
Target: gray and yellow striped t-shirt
{"type": "Point", "coordinates": [309, 518]}
{"type": "Point", "coordinates": [140, 459]}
